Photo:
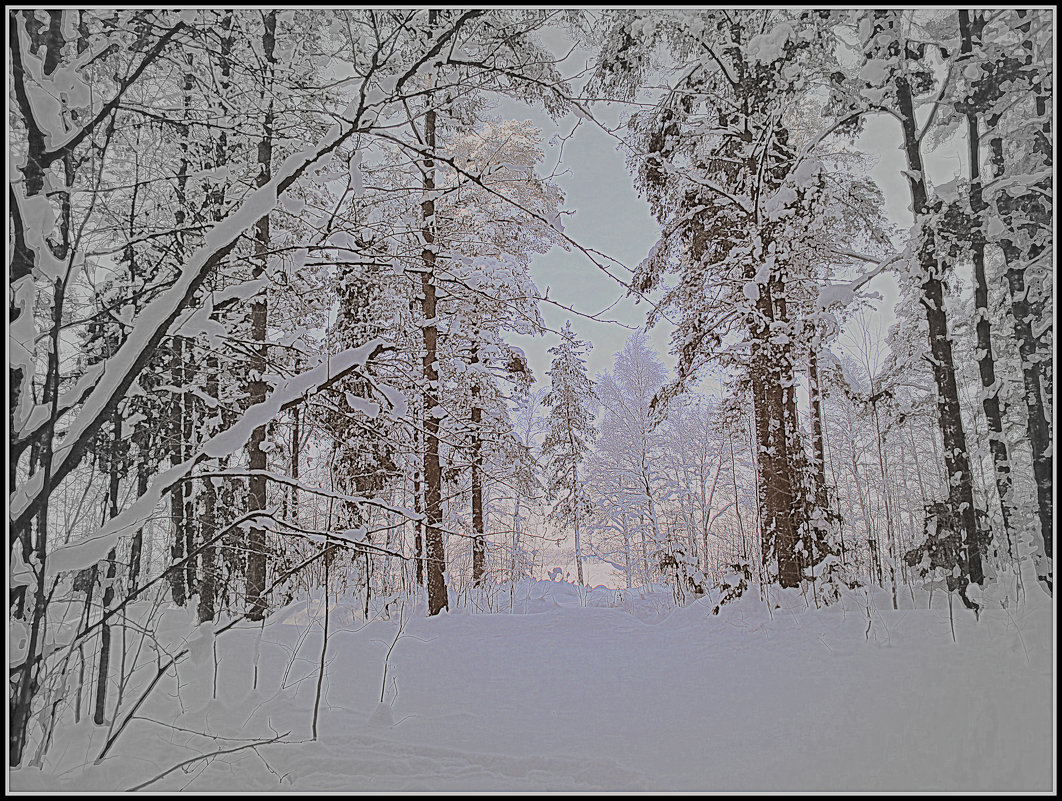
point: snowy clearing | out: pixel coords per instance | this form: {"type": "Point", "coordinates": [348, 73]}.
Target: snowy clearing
{"type": "Point", "coordinates": [624, 694]}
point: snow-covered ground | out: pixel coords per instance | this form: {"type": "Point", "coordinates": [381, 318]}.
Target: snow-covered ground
{"type": "Point", "coordinates": [622, 693]}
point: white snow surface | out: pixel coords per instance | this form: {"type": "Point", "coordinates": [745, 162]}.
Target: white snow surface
{"type": "Point", "coordinates": [625, 693]}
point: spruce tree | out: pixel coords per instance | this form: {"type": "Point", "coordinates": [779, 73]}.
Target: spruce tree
{"type": "Point", "coordinates": [571, 432]}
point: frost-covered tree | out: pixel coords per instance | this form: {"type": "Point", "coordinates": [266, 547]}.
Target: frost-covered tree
{"type": "Point", "coordinates": [628, 453]}
{"type": "Point", "coordinates": [1001, 91]}
{"type": "Point", "coordinates": [742, 206]}
{"type": "Point", "coordinates": [895, 76]}
{"type": "Point", "coordinates": [570, 434]}
{"type": "Point", "coordinates": [210, 329]}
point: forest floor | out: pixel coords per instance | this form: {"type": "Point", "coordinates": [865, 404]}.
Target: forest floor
{"type": "Point", "coordinates": [609, 691]}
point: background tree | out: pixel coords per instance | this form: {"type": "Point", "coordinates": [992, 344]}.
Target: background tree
{"type": "Point", "coordinates": [570, 434]}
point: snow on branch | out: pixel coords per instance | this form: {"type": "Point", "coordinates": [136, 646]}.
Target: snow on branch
{"type": "Point", "coordinates": [291, 393]}
{"type": "Point", "coordinates": [156, 320]}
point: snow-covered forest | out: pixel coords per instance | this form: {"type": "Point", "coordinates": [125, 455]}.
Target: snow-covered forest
{"type": "Point", "coordinates": [293, 505]}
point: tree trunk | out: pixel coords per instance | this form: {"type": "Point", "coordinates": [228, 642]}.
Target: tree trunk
{"type": "Point", "coordinates": [434, 549]}
{"type": "Point", "coordinates": [114, 466]}
{"type": "Point", "coordinates": [177, 449]}
{"type": "Point", "coordinates": [208, 521]}
{"type": "Point", "coordinates": [418, 508]}
{"type": "Point", "coordinates": [997, 444]}
{"type": "Point", "coordinates": [178, 444]}
{"type": "Point", "coordinates": [818, 448]}
{"type": "Point", "coordinates": [478, 545]}
{"type": "Point", "coordinates": [1034, 350]}
{"type": "Point", "coordinates": [782, 513]}
{"type": "Point", "coordinates": [296, 447]}
{"type": "Point", "coordinates": [257, 560]}
{"type": "Point", "coordinates": [934, 268]}
{"type": "Point", "coordinates": [575, 509]}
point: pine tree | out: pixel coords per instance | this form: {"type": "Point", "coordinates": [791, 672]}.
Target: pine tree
{"type": "Point", "coordinates": [570, 433]}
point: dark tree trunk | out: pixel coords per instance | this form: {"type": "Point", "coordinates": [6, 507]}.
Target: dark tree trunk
{"type": "Point", "coordinates": [177, 578]}
{"type": "Point", "coordinates": [784, 512]}
{"type": "Point", "coordinates": [208, 516]}
{"type": "Point", "coordinates": [256, 541]}
{"type": "Point", "coordinates": [99, 715]}
{"type": "Point", "coordinates": [418, 508]}
{"type": "Point", "coordinates": [818, 440]}
{"type": "Point", "coordinates": [934, 268]}
{"type": "Point", "coordinates": [478, 545]}
{"type": "Point", "coordinates": [1022, 246]}
{"type": "Point", "coordinates": [208, 521]}
{"type": "Point", "coordinates": [178, 444]}
{"type": "Point", "coordinates": [296, 447]}
{"type": "Point", "coordinates": [136, 548]}
{"type": "Point", "coordinates": [971, 31]}
{"type": "Point", "coordinates": [434, 549]}
{"type": "Point", "coordinates": [25, 678]}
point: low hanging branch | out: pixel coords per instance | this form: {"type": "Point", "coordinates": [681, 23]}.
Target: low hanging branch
{"type": "Point", "coordinates": [211, 755]}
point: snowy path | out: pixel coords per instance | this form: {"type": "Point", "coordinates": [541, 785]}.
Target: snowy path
{"type": "Point", "coordinates": [574, 698]}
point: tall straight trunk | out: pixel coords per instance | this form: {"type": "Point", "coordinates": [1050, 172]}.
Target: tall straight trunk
{"type": "Point", "coordinates": [296, 449]}
{"type": "Point", "coordinates": [737, 501]}
{"type": "Point", "coordinates": [575, 509]}
{"type": "Point", "coordinates": [208, 521]}
{"type": "Point", "coordinates": [478, 545]}
{"type": "Point", "coordinates": [627, 551]}
{"type": "Point", "coordinates": [257, 560]}
{"type": "Point", "coordinates": [99, 713]}
{"type": "Point", "coordinates": [434, 549]}
{"type": "Point", "coordinates": [706, 508]}
{"type": "Point", "coordinates": [934, 268]}
{"type": "Point", "coordinates": [142, 432]}
{"type": "Point", "coordinates": [178, 453]}
{"type": "Point", "coordinates": [886, 495]}
{"type": "Point", "coordinates": [784, 514]}
{"type": "Point", "coordinates": [516, 544]}
{"type": "Point", "coordinates": [25, 678]}
{"type": "Point", "coordinates": [971, 31]}
{"type": "Point", "coordinates": [136, 549]}
{"type": "Point", "coordinates": [178, 444]}
{"type": "Point", "coordinates": [818, 448]}
{"type": "Point", "coordinates": [208, 491]}
{"type": "Point", "coordinates": [650, 506]}
{"type": "Point", "coordinates": [1021, 249]}
{"type": "Point", "coordinates": [418, 508]}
